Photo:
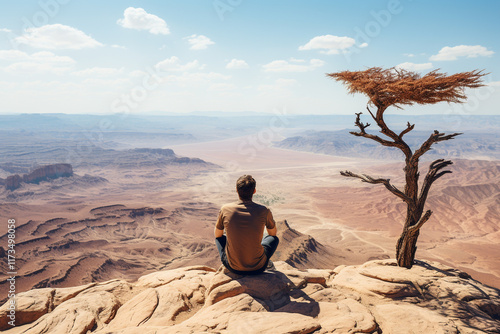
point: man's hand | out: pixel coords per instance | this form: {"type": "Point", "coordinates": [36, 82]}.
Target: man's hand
{"type": "Point", "coordinates": [218, 233]}
{"type": "Point", "coordinates": [272, 231]}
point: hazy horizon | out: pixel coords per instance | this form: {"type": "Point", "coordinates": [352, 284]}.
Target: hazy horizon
{"type": "Point", "coordinates": [242, 113]}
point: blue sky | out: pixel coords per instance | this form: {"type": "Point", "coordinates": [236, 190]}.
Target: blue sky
{"type": "Point", "coordinates": [156, 57]}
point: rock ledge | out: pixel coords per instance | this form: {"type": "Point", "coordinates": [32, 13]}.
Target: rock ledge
{"type": "Point", "coordinates": [374, 297]}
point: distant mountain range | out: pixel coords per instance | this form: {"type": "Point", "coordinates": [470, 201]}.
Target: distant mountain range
{"type": "Point", "coordinates": [198, 123]}
{"type": "Point", "coordinates": [470, 145]}
{"type": "Point", "coordinates": [21, 160]}
{"type": "Point", "coordinates": [38, 174]}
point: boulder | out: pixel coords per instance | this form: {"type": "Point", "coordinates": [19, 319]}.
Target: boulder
{"type": "Point", "coordinates": [375, 297]}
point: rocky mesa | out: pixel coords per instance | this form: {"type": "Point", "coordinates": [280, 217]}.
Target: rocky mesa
{"type": "Point", "coordinates": [375, 297]}
{"type": "Point", "coordinates": [39, 174]}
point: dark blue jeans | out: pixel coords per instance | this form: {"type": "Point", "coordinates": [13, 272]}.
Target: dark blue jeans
{"type": "Point", "coordinates": [269, 242]}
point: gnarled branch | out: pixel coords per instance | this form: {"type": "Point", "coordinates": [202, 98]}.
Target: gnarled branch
{"type": "Point", "coordinates": [374, 137]}
{"type": "Point", "coordinates": [398, 142]}
{"type": "Point", "coordinates": [371, 113]}
{"type": "Point", "coordinates": [433, 174]}
{"type": "Point", "coordinates": [385, 182]}
{"type": "Point", "coordinates": [362, 126]}
{"type": "Point", "coordinates": [434, 138]}
{"type": "Point", "coordinates": [362, 133]}
{"type": "Point", "coordinates": [421, 221]}
{"type": "Point", "coordinates": [409, 127]}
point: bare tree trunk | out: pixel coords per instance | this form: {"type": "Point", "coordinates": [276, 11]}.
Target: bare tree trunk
{"type": "Point", "coordinates": [406, 245]}
{"type": "Point", "coordinates": [397, 87]}
{"type": "Point", "coordinates": [406, 248]}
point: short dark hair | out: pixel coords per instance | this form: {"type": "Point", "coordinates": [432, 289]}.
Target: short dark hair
{"type": "Point", "coordinates": [245, 186]}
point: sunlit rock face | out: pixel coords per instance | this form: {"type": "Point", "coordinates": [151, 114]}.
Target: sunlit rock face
{"type": "Point", "coordinates": [374, 297]}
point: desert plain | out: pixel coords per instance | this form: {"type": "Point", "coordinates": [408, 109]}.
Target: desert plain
{"type": "Point", "coordinates": [363, 221]}
{"type": "Point", "coordinates": [127, 212]}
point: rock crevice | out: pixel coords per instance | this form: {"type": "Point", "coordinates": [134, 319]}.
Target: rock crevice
{"type": "Point", "coordinates": [375, 297]}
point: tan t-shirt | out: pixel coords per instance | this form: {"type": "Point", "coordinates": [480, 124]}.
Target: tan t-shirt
{"type": "Point", "coordinates": [244, 222]}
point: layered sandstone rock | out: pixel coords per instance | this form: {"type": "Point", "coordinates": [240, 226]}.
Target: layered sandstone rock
{"type": "Point", "coordinates": [48, 172]}
{"type": "Point", "coordinates": [13, 182]}
{"type": "Point", "coordinates": [39, 174]}
{"type": "Point", "coordinates": [374, 297]}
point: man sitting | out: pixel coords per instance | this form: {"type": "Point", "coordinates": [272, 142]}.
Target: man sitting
{"type": "Point", "coordinates": [243, 250]}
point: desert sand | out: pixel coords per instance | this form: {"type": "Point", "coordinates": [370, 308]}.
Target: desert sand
{"type": "Point", "coordinates": [149, 218]}
{"type": "Point", "coordinates": [362, 220]}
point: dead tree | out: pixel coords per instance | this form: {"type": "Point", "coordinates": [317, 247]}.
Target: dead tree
{"type": "Point", "coordinates": [397, 87]}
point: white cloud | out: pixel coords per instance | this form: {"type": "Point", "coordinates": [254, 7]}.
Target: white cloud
{"type": "Point", "coordinates": [494, 83]}
{"type": "Point", "coordinates": [414, 67]}
{"type": "Point", "coordinates": [199, 42]}
{"type": "Point", "coordinates": [139, 19]}
{"type": "Point", "coordinates": [237, 64]}
{"type": "Point", "coordinates": [286, 82]}
{"type": "Point", "coordinates": [34, 67]}
{"type": "Point", "coordinates": [99, 72]}
{"type": "Point", "coordinates": [329, 44]}
{"type": "Point", "coordinates": [469, 51]}
{"type": "Point", "coordinates": [49, 57]}
{"type": "Point", "coordinates": [5, 30]}
{"type": "Point", "coordinates": [202, 76]}
{"type": "Point", "coordinates": [221, 87]}
{"type": "Point", "coordinates": [137, 74]}
{"type": "Point", "coordinates": [57, 36]}
{"type": "Point", "coordinates": [13, 55]}
{"type": "Point", "coordinates": [172, 64]}
{"type": "Point", "coordinates": [189, 80]}
{"type": "Point", "coordinates": [116, 46]}
{"type": "Point", "coordinates": [279, 86]}
{"type": "Point", "coordinates": [106, 83]}
{"type": "Point", "coordinates": [39, 62]}
{"type": "Point", "coordinates": [285, 66]}
{"type": "Point", "coordinates": [364, 45]}
{"type": "Point", "coordinates": [317, 62]}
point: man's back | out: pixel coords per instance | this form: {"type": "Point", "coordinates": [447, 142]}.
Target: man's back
{"type": "Point", "coordinates": [244, 222]}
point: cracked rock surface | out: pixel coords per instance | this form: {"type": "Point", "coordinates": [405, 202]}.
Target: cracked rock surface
{"type": "Point", "coordinates": [375, 297]}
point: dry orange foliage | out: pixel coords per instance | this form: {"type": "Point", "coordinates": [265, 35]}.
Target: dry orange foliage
{"type": "Point", "coordinates": [396, 87]}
